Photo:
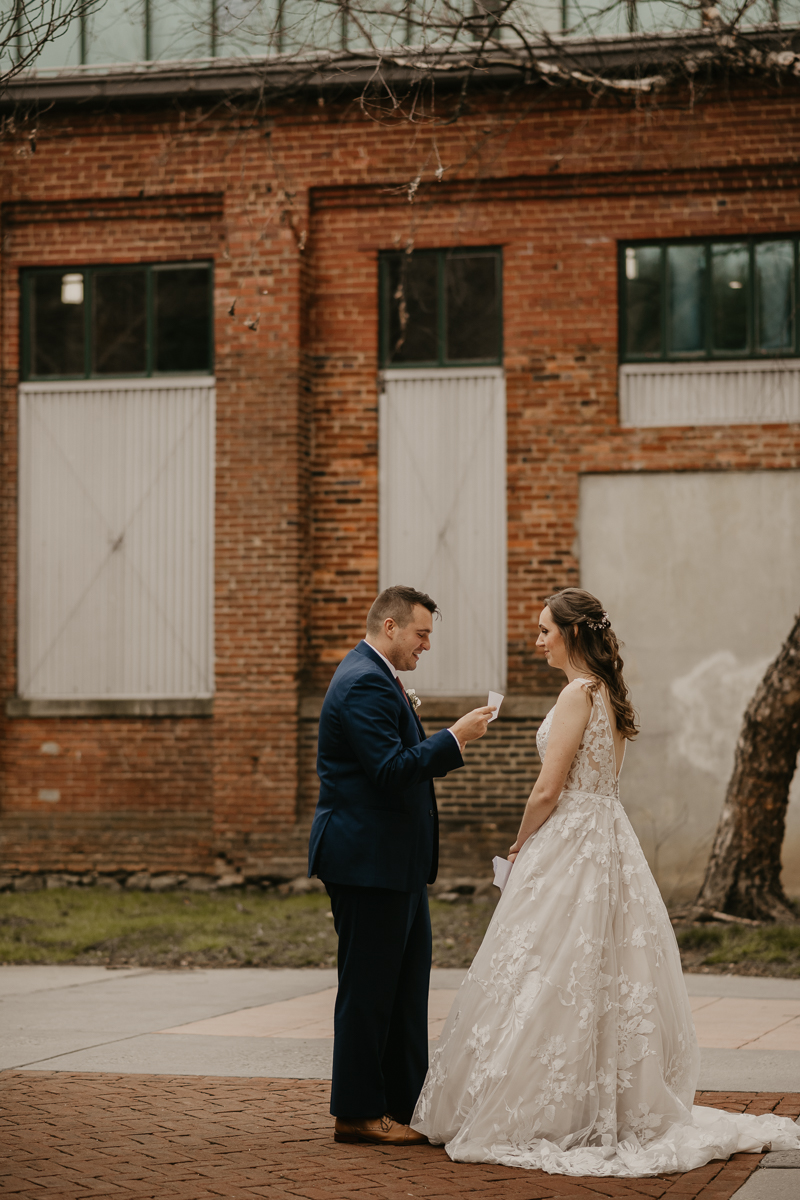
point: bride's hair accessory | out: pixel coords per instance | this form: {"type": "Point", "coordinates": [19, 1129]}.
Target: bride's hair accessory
{"type": "Point", "coordinates": [602, 623]}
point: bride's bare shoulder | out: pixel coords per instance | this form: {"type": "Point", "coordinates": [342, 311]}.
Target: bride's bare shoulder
{"type": "Point", "coordinates": [575, 697]}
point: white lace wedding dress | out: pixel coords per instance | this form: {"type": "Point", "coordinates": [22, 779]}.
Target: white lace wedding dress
{"type": "Point", "coordinates": [570, 1045]}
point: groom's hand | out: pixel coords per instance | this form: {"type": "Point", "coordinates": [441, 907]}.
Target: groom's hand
{"type": "Point", "coordinates": [472, 725]}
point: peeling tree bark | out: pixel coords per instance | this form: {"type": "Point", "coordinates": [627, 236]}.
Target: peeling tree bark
{"type": "Point", "coordinates": [743, 873]}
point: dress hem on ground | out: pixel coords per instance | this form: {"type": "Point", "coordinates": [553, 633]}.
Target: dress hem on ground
{"type": "Point", "coordinates": [571, 1046]}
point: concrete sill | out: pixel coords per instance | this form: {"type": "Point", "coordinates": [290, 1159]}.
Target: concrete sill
{"type": "Point", "coordinates": [438, 708]}
{"type": "Point", "coordinates": [15, 707]}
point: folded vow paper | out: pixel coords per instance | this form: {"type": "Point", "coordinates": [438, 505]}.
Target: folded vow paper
{"type": "Point", "coordinates": [494, 701]}
{"type": "Point", "coordinates": [502, 870]}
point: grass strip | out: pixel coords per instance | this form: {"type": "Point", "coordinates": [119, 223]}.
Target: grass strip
{"type": "Point", "coordinates": [218, 929]}
{"type": "Point", "coordinates": [742, 950]}
{"type": "Point", "coordinates": [228, 929]}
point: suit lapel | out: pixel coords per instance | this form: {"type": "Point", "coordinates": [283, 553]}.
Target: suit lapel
{"type": "Point", "coordinates": [364, 648]}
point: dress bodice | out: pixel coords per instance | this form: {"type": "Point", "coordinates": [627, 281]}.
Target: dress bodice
{"type": "Point", "coordinates": [594, 767]}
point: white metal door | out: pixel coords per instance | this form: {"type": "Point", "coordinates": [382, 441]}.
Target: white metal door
{"type": "Point", "coordinates": [443, 517]}
{"type": "Point", "coordinates": [116, 539]}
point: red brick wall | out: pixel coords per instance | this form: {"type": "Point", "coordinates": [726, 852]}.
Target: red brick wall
{"type": "Point", "coordinates": [560, 332]}
{"type": "Point", "coordinates": [170, 793]}
{"type": "Point", "coordinates": [293, 207]}
{"type": "Point", "coordinates": [133, 795]}
{"type": "Point", "coordinates": [480, 806]}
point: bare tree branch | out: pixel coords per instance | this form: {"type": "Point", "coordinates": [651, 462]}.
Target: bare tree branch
{"type": "Point", "coordinates": [627, 46]}
{"type": "Point", "coordinates": [28, 26]}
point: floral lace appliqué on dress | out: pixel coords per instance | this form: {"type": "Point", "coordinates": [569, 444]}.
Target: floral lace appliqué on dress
{"type": "Point", "coordinates": [571, 1045]}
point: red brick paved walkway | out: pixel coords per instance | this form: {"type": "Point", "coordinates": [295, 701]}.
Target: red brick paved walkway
{"type": "Point", "coordinates": [151, 1136]}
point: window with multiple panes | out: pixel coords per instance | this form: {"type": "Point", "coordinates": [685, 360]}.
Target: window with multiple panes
{"type": "Point", "coordinates": [116, 491]}
{"type": "Point", "coordinates": [441, 308]}
{"type": "Point", "coordinates": [100, 322]}
{"type": "Point", "coordinates": [121, 31]}
{"type": "Point", "coordinates": [714, 299]}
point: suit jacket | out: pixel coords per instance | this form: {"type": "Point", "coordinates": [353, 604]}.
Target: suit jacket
{"type": "Point", "coordinates": [376, 823]}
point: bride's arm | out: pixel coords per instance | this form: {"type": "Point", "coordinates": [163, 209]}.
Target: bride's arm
{"type": "Point", "coordinates": [569, 721]}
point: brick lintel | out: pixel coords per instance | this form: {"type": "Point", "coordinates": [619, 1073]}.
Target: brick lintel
{"type": "Point", "coordinates": [194, 707]}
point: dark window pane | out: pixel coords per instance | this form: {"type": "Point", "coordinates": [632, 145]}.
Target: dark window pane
{"type": "Point", "coordinates": [643, 300]}
{"type": "Point", "coordinates": [685, 279]}
{"type": "Point", "coordinates": [182, 319]}
{"type": "Point", "coordinates": [729, 279]}
{"type": "Point", "coordinates": [56, 324]}
{"type": "Point", "coordinates": [119, 323]}
{"type": "Point", "coordinates": [775, 295]}
{"type": "Point", "coordinates": [473, 307]}
{"type": "Point", "coordinates": [484, 23]}
{"type": "Point", "coordinates": [413, 289]}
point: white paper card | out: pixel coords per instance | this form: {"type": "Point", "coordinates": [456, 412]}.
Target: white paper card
{"type": "Point", "coordinates": [502, 870]}
{"type": "Point", "coordinates": [495, 699]}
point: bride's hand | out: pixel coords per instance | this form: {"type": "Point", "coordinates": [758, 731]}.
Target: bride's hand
{"type": "Point", "coordinates": [513, 852]}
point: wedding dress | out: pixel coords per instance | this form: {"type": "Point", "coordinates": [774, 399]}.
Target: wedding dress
{"type": "Point", "coordinates": [570, 1045]}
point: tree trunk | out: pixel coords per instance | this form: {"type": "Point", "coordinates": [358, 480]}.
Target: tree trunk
{"type": "Point", "coordinates": [743, 873]}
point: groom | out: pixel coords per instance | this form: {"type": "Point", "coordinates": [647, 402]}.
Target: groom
{"type": "Point", "coordinates": [375, 844]}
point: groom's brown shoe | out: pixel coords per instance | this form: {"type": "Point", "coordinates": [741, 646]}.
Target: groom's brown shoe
{"type": "Point", "coordinates": [381, 1131]}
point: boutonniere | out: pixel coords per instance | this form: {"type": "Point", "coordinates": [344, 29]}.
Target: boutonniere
{"type": "Point", "coordinates": [413, 699]}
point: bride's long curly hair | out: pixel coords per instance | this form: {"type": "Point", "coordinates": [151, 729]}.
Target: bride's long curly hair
{"type": "Point", "coordinates": [589, 638]}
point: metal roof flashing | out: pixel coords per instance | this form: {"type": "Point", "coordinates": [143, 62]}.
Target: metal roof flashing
{"type": "Point", "coordinates": [343, 72]}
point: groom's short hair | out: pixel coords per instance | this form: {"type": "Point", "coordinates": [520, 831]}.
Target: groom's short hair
{"type": "Point", "coordinates": [397, 602]}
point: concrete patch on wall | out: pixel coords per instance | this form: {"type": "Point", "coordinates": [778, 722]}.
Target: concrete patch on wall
{"type": "Point", "coordinates": [700, 573]}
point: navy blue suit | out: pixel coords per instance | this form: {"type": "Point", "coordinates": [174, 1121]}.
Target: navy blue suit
{"type": "Point", "coordinates": [374, 843]}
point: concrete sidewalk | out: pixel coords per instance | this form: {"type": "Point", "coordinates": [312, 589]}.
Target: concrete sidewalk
{"type": "Point", "coordinates": [195, 1084]}
{"type": "Point", "coordinates": [278, 1023]}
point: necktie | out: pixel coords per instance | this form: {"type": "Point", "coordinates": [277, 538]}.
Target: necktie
{"type": "Point", "coordinates": [403, 691]}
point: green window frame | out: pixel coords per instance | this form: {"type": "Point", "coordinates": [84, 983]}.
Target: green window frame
{"type": "Point", "coordinates": [438, 263]}
{"type": "Point", "coordinates": [91, 276]}
{"type": "Point", "coordinates": [675, 302]}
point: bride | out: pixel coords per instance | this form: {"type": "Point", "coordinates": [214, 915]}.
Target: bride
{"type": "Point", "coordinates": [570, 1046]}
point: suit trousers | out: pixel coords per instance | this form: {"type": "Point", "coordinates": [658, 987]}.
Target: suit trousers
{"type": "Point", "coordinates": [380, 1048]}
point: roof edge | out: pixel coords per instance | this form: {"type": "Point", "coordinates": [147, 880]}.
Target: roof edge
{"type": "Point", "coordinates": [596, 60]}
